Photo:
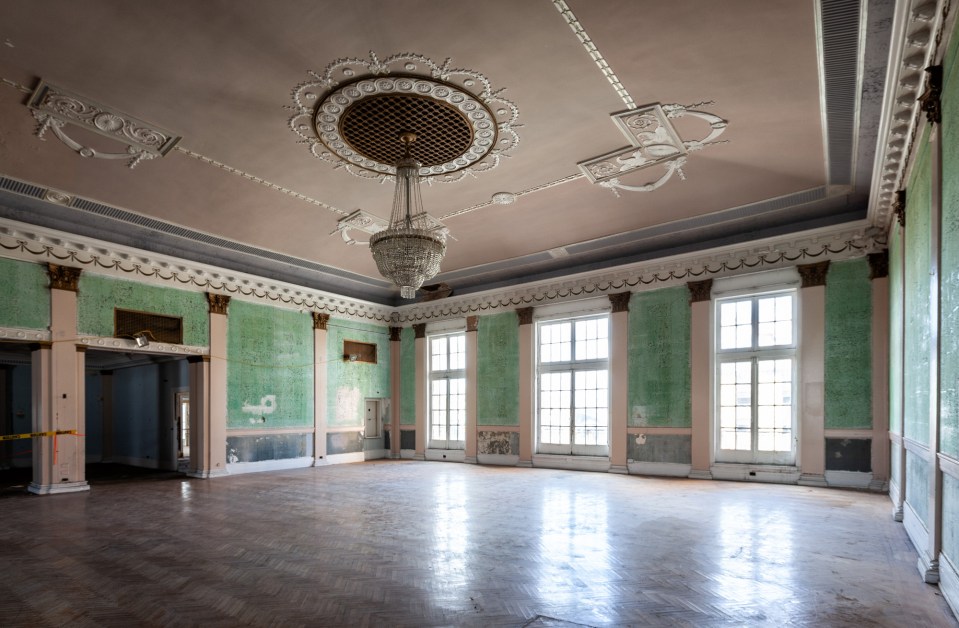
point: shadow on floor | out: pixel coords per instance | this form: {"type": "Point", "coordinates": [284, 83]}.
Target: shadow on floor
{"type": "Point", "coordinates": [14, 482]}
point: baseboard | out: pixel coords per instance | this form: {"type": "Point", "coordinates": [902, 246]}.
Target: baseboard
{"type": "Point", "coordinates": [894, 496]}
{"type": "Point", "coordinates": [55, 489]}
{"type": "Point", "coordinates": [949, 583]}
{"type": "Point", "coordinates": [269, 465]}
{"type": "Point", "coordinates": [916, 530]}
{"type": "Point", "coordinates": [665, 469]}
{"type": "Point", "coordinates": [376, 454]}
{"type": "Point", "coordinates": [446, 455]}
{"type": "Point", "coordinates": [354, 456]}
{"type": "Point", "coordinates": [572, 463]}
{"type": "Point", "coordinates": [407, 454]}
{"type": "Point", "coordinates": [504, 460]}
{"type": "Point", "coordinates": [849, 479]}
{"type": "Point", "coordinates": [755, 473]}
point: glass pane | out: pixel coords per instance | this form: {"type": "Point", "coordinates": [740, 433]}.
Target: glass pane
{"type": "Point", "coordinates": [438, 350]}
{"type": "Point", "coordinates": [457, 360]}
{"type": "Point", "coordinates": [555, 342]}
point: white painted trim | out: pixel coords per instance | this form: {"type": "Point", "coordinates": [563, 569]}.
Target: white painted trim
{"type": "Point", "coordinates": [54, 489]}
{"type": "Point", "coordinates": [949, 583]}
{"type": "Point", "coordinates": [446, 455]}
{"type": "Point", "coordinates": [448, 326]}
{"type": "Point", "coordinates": [269, 465]}
{"type": "Point", "coordinates": [407, 454]}
{"type": "Point", "coordinates": [128, 345]}
{"type": "Point", "coordinates": [376, 454]}
{"type": "Point", "coordinates": [22, 333]}
{"type": "Point", "coordinates": [572, 463]}
{"type": "Point", "coordinates": [355, 456]}
{"type": "Point", "coordinates": [506, 460]}
{"type": "Point", "coordinates": [754, 283]}
{"type": "Point", "coordinates": [755, 473]}
{"type": "Point", "coordinates": [848, 479]}
{"type": "Point", "coordinates": [915, 528]}
{"type": "Point", "coordinates": [570, 309]}
{"type": "Point", "coordinates": [665, 469]}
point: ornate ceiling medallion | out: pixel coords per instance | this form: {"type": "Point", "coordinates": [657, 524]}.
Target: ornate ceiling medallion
{"type": "Point", "coordinates": [351, 114]}
{"type": "Point", "coordinates": [652, 141]}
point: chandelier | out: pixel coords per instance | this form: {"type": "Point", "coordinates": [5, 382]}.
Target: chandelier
{"type": "Point", "coordinates": [410, 250]}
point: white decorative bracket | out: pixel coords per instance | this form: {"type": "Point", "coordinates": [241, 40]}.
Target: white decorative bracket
{"type": "Point", "coordinates": [652, 141]}
{"type": "Point", "coordinates": [54, 107]}
{"type": "Point", "coordinates": [370, 224]}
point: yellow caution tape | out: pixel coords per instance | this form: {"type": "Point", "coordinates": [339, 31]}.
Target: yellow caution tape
{"type": "Point", "coordinates": [37, 434]}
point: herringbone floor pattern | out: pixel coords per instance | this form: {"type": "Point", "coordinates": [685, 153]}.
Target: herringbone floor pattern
{"type": "Point", "coordinates": [434, 544]}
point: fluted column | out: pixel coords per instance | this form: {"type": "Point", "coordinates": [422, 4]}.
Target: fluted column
{"type": "Point", "coordinates": [618, 380]}
{"type": "Point", "coordinates": [472, 326]}
{"type": "Point", "coordinates": [422, 391]}
{"type": "Point", "coordinates": [320, 386]}
{"type": "Point", "coordinates": [395, 391]}
{"type": "Point", "coordinates": [526, 381]}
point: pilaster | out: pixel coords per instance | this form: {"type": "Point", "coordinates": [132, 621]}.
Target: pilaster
{"type": "Point", "coordinates": [320, 410]}
{"type": "Point", "coordinates": [879, 276]}
{"type": "Point", "coordinates": [700, 334]}
{"type": "Point", "coordinates": [472, 370]}
{"type": "Point", "coordinates": [618, 381]}
{"type": "Point", "coordinates": [812, 320]}
{"type": "Point", "coordinates": [526, 339]}
{"type": "Point", "coordinates": [422, 390]}
{"type": "Point", "coordinates": [199, 378]}
{"type": "Point", "coordinates": [395, 391]}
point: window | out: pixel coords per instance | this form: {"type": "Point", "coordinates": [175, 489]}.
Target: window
{"type": "Point", "coordinates": [755, 359]}
{"type": "Point", "coordinates": [573, 378]}
{"type": "Point", "coordinates": [448, 392]}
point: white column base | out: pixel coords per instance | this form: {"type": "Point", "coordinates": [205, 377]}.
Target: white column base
{"type": "Point", "coordinates": [205, 475]}
{"type": "Point", "coordinates": [700, 474]}
{"type": "Point", "coordinates": [622, 469]}
{"type": "Point", "coordinates": [929, 569]}
{"type": "Point", "coordinates": [55, 489]}
{"type": "Point", "coordinates": [812, 479]}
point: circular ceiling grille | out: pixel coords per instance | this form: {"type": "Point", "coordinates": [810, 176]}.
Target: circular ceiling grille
{"type": "Point", "coordinates": [361, 123]}
{"type": "Point", "coordinates": [372, 128]}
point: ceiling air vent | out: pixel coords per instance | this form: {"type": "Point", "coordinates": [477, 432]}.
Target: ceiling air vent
{"type": "Point", "coordinates": [156, 327]}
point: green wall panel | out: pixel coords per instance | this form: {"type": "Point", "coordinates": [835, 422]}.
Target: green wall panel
{"type": "Point", "coordinates": [497, 357]}
{"type": "Point", "coordinates": [349, 384]}
{"type": "Point", "coordinates": [407, 377]}
{"type": "Point", "coordinates": [27, 282]}
{"type": "Point", "coordinates": [269, 367]}
{"type": "Point", "coordinates": [917, 338]}
{"type": "Point", "coordinates": [895, 332]}
{"type": "Point", "coordinates": [659, 370]}
{"type": "Point", "coordinates": [99, 295]}
{"type": "Point", "coordinates": [848, 345]}
{"type": "Point", "coordinates": [949, 364]}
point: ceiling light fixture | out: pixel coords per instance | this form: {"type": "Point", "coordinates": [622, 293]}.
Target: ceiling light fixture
{"type": "Point", "coordinates": [410, 250]}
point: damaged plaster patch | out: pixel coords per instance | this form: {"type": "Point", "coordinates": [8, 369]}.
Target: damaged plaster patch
{"type": "Point", "coordinates": [347, 405]}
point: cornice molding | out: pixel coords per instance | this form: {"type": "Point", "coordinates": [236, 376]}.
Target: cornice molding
{"type": "Point", "coordinates": [42, 245]}
{"type": "Point", "coordinates": [918, 28]}
{"type": "Point", "coordinates": [130, 346]}
{"type": "Point", "coordinates": [835, 243]}
{"type": "Point", "coordinates": [26, 335]}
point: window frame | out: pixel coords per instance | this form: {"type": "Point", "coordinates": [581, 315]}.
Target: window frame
{"type": "Point", "coordinates": [447, 374]}
{"type": "Point", "coordinates": [754, 354]}
{"type": "Point", "coordinates": [572, 366]}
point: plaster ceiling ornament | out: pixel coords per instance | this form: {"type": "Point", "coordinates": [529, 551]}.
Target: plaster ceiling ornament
{"type": "Point", "coordinates": [653, 140]}
{"type": "Point", "coordinates": [55, 107]}
{"type": "Point", "coordinates": [351, 113]}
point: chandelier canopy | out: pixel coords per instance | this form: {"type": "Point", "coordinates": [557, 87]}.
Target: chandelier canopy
{"type": "Point", "coordinates": [410, 250]}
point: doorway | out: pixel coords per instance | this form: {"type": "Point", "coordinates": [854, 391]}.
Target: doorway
{"type": "Point", "coordinates": [181, 405]}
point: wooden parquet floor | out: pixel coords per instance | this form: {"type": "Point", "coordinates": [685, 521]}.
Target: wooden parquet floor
{"type": "Point", "coordinates": [402, 543]}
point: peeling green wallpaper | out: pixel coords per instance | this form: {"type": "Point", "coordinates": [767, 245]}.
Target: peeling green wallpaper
{"type": "Point", "coordinates": [497, 356]}
{"type": "Point", "coordinates": [895, 331]}
{"type": "Point", "coordinates": [350, 384]}
{"type": "Point", "coordinates": [99, 295]}
{"type": "Point", "coordinates": [269, 371]}
{"type": "Point", "coordinates": [407, 377]}
{"type": "Point", "coordinates": [917, 338]}
{"type": "Point", "coordinates": [27, 283]}
{"type": "Point", "coordinates": [949, 363]}
{"type": "Point", "coordinates": [848, 366]}
{"type": "Point", "coordinates": [659, 369]}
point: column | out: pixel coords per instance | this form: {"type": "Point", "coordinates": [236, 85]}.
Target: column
{"type": "Point", "coordinates": [879, 277]}
{"type": "Point", "coordinates": [812, 364]}
{"type": "Point", "coordinates": [395, 391]}
{"type": "Point", "coordinates": [59, 464]}
{"type": "Point", "coordinates": [896, 441]}
{"type": "Point", "coordinates": [320, 410]}
{"type": "Point", "coordinates": [700, 348]}
{"type": "Point", "coordinates": [422, 390]}
{"type": "Point", "coordinates": [472, 326]}
{"type": "Point", "coordinates": [526, 339]}
{"type": "Point", "coordinates": [208, 380]}
{"type": "Point", "coordinates": [618, 380]}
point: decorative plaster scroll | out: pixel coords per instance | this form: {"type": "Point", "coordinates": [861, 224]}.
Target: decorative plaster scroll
{"type": "Point", "coordinates": [219, 303]}
{"type": "Point", "coordinates": [55, 107]}
{"type": "Point", "coordinates": [653, 141]}
{"type": "Point", "coordinates": [700, 290]}
{"type": "Point", "coordinates": [64, 277]}
{"type": "Point", "coordinates": [361, 220]}
{"type": "Point", "coordinates": [813, 275]}
{"type": "Point", "coordinates": [411, 73]}
{"type": "Point", "coordinates": [878, 264]}
{"type": "Point", "coordinates": [620, 301]}
{"type": "Point", "coordinates": [320, 320]}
